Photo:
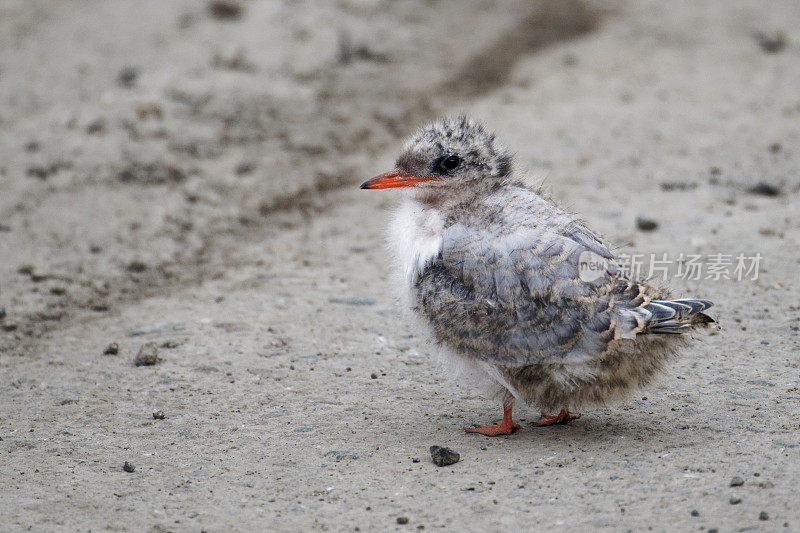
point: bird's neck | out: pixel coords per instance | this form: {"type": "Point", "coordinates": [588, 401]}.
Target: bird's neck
{"type": "Point", "coordinates": [447, 199]}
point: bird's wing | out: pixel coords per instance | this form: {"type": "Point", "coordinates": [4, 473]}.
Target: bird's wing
{"type": "Point", "coordinates": [516, 296]}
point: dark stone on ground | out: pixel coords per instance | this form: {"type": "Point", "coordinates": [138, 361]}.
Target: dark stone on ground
{"type": "Point", "coordinates": [442, 456]}
{"type": "Point", "coordinates": [96, 126]}
{"type": "Point", "coordinates": [771, 43]}
{"type": "Point", "coordinates": [225, 9]}
{"type": "Point", "coordinates": [127, 76]}
{"type": "Point", "coordinates": [765, 189]}
{"type": "Point", "coordinates": [646, 224]}
{"type": "Point", "coordinates": [37, 172]}
{"type": "Point", "coordinates": [148, 355]}
{"type": "Point", "coordinates": [136, 266]}
{"type": "Point", "coordinates": [111, 349]}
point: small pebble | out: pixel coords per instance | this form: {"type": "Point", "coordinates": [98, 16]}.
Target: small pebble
{"type": "Point", "coordinates": [402, 520]}
{"type": "Point", "coordinates": [225, 9]}
{"type": "Point", "coordinates": [148, 355]}
{"type": "Point", "coordinates": [442, 456]}
{"type": "Point", "coordinates": [763, 516]}
{"type": "Point", "coordinates": [136, 266]}
{"type": "Point", "coordinates": [128, 467]}
{"type": "Point", "coordinates": [765, 189]}
{"type": "Point", "coordinates": [374, 375]}
{"type": "Point", "coordinates": [127, 76]}
{"type": "Point", "coordinates": [735, 500]}
{"type": "Point", "coordinates": [646, 224]}
{"type": "Point", "coordinates": [111, 349]}
{"type": "Point", "coordinates": [96, 126]}
{"type": "Point", "coordinates": [158, 415]}
{"type": "Point", "coordinates": [695, 512]}
{"type": "Point", "coordinates": [771, 43]}
{"type": "Point", "coordinates": [37, 172]}
{"type": "Point", "coordinates": [737, 481]}
{"type": "Point", "coordinates": [2, 312]}
{"type": "Point", "coordinates": [246, 167]}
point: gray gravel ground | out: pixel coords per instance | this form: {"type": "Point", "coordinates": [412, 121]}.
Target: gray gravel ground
{"type": "Point", "coordinates": [171, 177]}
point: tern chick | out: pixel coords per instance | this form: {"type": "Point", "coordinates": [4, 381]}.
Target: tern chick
{"type": "Point", "coordinates": [499, 274]}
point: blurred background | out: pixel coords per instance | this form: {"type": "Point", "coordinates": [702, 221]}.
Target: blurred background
{"type": "Point", "coordinates": [186, 173]}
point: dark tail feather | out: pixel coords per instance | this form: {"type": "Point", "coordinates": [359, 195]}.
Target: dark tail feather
{"type": "Point", "coordinates": [673, 317]}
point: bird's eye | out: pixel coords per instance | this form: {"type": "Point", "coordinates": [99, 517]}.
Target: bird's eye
{"type": "Point", "coordinates": [449, 163]}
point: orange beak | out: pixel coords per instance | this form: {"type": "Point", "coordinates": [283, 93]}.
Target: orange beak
{"type": "Point", "coordinates": [391, 179]}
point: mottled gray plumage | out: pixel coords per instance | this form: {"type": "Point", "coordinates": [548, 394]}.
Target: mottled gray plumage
{"type": "Point", "coordinates": [493, 267]}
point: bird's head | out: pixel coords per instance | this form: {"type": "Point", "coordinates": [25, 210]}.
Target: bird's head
{"type": "Point", "coordinates": [449, 154]}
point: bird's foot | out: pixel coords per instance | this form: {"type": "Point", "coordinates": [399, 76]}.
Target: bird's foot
{"type": "Point", "coordinates": [563, 417]}
{"type": "Point", "coordinates": [503, 428]}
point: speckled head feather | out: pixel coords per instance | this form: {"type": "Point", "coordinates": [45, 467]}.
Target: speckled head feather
{"type": "Point", "coordinates": [456, 151]}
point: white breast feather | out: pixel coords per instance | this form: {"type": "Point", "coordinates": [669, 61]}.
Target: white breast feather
{"type": "Point", "coordinates": [415, 239]}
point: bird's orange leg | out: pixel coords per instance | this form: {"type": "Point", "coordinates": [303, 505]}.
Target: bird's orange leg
{"type": "Point", "coordinates": [564, 417]}
{"type": "Point", "coordinates": [506, 427]}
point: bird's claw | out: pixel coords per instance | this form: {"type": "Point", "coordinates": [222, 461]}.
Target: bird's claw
{"type": "Point", "coordinates": [494, 430]}
{"type": "Point", "coordinates": [563, 417]}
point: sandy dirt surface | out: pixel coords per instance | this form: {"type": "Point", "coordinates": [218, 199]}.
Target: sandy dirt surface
{"type": "Point", "coordinates": [187, 177]}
